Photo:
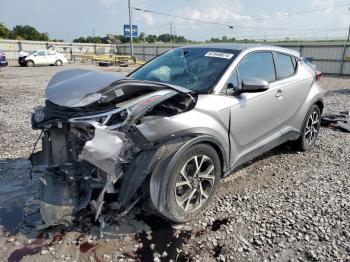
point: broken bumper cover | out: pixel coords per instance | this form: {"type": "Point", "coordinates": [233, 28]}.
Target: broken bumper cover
{"type": "Point", "coordinates": [104, 149]}
{"type": "Point", "coordinates": [92, 152]}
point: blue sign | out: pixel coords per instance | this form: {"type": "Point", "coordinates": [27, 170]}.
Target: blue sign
{"type": "Point", "coordinates": [127, 31]}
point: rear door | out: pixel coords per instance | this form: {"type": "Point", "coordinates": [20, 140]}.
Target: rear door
{"type": "Point", "coordinates": [51, 57]}
{"type": "Point", "coordinates": [293, 87]}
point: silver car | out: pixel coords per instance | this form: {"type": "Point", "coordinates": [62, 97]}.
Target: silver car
{"type": "Point", "coordinates": [171, 129]}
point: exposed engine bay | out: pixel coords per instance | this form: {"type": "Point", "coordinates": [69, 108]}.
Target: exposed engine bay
{"type": "Point", "coordinates": [91, 143]}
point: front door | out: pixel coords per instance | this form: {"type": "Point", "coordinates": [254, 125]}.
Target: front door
{"type": "Point", "coordinates": [40, 58]}
{"type": "Point", "coordinates": [257, 117]}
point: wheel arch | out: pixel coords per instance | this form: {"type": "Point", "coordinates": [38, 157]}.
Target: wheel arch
{"type": "Point", "coordinates": [161, 173]}
{"type": "Point", "coordinates": [30, 60]}
{"type": "Point", "coordinates": [215, 144]}
{"type": "Point", "coordinates": [156, 156]}
{"type": "Point", "coordinates": [320, 104]}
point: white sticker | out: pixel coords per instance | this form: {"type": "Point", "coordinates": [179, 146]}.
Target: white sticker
{"type": "Point", "coordinates": [219, 55]}
{"type": "Point", "coordinates": [119, 92]}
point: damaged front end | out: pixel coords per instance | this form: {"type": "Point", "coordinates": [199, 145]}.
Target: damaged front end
{"type": "Point", "coordinates": [91, 145]}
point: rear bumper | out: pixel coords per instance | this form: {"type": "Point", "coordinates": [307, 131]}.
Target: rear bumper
{"type": "Point", "coordinates": [3, 63]}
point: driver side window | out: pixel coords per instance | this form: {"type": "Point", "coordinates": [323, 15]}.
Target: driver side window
{"type": "Point", "coordinates": [259, 64]}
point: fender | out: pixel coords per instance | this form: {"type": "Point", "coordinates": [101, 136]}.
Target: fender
{"type": "Point", "coordinates": [137, 173]}
{"type": "Point", "coordinates": [164, 169]}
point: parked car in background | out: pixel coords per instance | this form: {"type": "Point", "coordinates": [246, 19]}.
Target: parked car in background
{"type": "Point", "coordinates": [41, 57]}
{"type": "Point", "coordinates": [3, 61]}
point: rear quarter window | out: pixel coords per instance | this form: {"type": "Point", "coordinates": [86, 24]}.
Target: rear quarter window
{"type": "Point", "coordinates": [286, 65]}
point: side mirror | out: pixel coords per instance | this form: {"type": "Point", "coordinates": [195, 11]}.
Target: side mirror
{"type": "Point", "coordinates": [254, 85]}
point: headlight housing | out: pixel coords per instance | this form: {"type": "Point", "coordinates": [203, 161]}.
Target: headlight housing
{"type": "Point", "coordinates": [113, 119]}
{"type": "Point", "coordinates": [39, 114]}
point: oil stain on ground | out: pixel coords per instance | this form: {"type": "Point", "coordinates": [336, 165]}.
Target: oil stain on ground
{"type": "Point", "coordinates": [162, 240]}
{"type": "Point", "coordinates": [15, 189]}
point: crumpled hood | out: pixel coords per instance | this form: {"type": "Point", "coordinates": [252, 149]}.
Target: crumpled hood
{"type": "Point", "coordinates": [80, 87]}
{"type": "Point", "coordinates": [69, 87]}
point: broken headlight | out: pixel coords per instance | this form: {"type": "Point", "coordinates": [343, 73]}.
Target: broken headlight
{"type": "Point", "coordinates": [114, 118]}
{"type": "Point", "coordinates": [39, 114]}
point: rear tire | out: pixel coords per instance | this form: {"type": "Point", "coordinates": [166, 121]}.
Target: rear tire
{"type": "Point", "coordinates": [58, 63]}
{"type": "Point", "coordinates": [310, 129]}
{"type": "Point", "coordinates": [181, 188]}
{"type": "Point", "coordinates": [30, 63]}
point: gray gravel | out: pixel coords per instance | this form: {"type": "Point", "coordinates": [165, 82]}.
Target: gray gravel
{"type": "Point", "coordinates": [286, 205]}
{"type": "Point", "coordinates": [283, 206]}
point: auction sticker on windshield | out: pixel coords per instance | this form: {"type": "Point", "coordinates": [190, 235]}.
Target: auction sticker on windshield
{"type": "Point", "coordinates": [219, 55]}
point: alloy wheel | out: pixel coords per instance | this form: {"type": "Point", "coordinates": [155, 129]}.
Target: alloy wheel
{"type": "Point", "coordinates": [311, 128]}
{"type": "Point", "coordinates": [195, 183]}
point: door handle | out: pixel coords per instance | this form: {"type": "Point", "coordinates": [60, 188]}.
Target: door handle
{"type": "Point", "coordinates": [279, 93]}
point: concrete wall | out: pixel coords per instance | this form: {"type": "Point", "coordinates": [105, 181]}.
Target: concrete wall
{"type": "Point", "coordinates": [13, 47]}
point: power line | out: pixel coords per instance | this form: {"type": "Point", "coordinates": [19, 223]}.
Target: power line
{"type": "Point", "coordinates": [305, 11]}
{"type": "Point", "coordinates": [302, 11]}
{"type": "Point", "coordinates": [181, 17]}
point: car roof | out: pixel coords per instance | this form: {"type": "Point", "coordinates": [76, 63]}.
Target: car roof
{"type": "Point", "coordinates": [248, 47]}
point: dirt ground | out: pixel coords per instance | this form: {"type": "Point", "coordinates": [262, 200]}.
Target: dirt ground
{"type": "Point", "coordinates": [283, 206]}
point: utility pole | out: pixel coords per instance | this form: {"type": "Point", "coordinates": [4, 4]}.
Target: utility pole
{"type": "Point", "coordinates": [130, 25]}
{"type": "Point", "coordinates": [171, 31]}
{"type": "Point", "coordinates": [93, 32]}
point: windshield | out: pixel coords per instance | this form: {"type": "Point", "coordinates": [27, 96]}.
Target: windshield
{"type": "Point", "coordinates": [197, 69]}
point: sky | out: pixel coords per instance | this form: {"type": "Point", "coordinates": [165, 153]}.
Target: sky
{"type": "Point", "coordinates": [264, 19]}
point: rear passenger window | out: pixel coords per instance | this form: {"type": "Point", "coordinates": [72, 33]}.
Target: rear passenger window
{"type": "Point", "coordinates": [259, 64]}
{"type": "Point", "coordinates": [286, 66]}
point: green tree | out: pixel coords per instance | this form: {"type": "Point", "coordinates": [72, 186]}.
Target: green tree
{"type": "Point", "coordinates": [181, 39]}
{"type": "Point", "coordinates": [4, 31]}
{"type": "Point", "coordinates": [79, 40]}
{"type": "Point", "coordinates": [151, 39]}
{"type": "Point", "coordinates": [165, 38]}
{"type": "Point", "coordinates": [28, 33]}
{"type": "Point", "coordinates": [142, 36]}
{"type": "Point", "coordinates": [88, 39]}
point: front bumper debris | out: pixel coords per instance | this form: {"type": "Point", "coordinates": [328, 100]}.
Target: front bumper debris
{"type": "Point", "coordinates": [104, 149]}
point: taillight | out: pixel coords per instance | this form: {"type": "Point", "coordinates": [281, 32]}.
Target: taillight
{"type": "Point", "coordinates": [318, 75]}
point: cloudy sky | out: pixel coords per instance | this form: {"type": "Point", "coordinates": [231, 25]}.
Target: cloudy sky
{"type": "Point", "coordinates": [271, 19]}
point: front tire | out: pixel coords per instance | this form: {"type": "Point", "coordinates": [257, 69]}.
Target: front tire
{"type": "Point", "coordinates": [310, 129]}
{"type": "Point", "coordinates": [182, 188]}
{"type": "Point", "coordinates": [30, 63]}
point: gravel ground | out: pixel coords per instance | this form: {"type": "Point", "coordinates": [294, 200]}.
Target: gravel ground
{"type": "Point", "coordinates": [283, 206]}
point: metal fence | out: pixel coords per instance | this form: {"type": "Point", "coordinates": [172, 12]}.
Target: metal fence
{"type": "Point", "coordinates": [13, 47]}
{"type": "Point", "coordinates": [330, 58]}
